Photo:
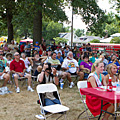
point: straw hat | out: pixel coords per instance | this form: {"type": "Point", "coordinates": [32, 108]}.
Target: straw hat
{"type": "Point", "coordinates": [8, 54]}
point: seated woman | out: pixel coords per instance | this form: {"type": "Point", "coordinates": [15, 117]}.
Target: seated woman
{"type": "Point", "coordinates": [46, 77]}
{"type": "Point", "coordinates": [85, 66]}
{"type": "Point", "coordinates": [111, 69]}
{"type": "Point", "coordinates": [96, 79]}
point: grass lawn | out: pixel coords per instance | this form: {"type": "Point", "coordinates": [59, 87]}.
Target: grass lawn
{"type": "Point", "coordinates": [23, 105]}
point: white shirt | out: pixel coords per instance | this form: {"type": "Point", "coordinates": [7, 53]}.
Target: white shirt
{"type": "Point", "coordinates": [72, 64]}
{"type": "Point", "coordinates": [49, 57]}
{"type": "Point", "coordinates": [26, 61]}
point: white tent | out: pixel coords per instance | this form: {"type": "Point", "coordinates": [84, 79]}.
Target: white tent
{"type": "Point", "coordinates": [28, 39]}
{"type": "Point", "coordinates": [107, 40]}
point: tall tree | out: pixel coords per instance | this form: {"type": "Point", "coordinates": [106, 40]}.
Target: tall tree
{"type": "Point", "coordinates": [39, 9]}
{"type": "Point", "coordinates": [7, 8]}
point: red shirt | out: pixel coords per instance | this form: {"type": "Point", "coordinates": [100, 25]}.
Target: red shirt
{"type": "Point", "coordinates": [17, 66]}
{"type": "Point", "coordinates": [40, 52]}
{"type": "Point", "coordinates": [22, 48]}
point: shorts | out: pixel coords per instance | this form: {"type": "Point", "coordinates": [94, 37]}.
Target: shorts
{"type": "Point", "coordinates": [60, 73]}
{"type": "Point", "coordinates": [73, 73]}
{"type": "Point", "coordinates": [18, 75]}
{"type": "Point", "coordinates": [1, 77]}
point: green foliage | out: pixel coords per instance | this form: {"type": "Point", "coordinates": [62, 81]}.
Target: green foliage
{"type": "Point", "coordinates": [95, 41]}
{"type": "Point", "coordinates": [79, 32]}
{"type": "Point", "coordinates": [52, 30]}
{"type": "Point", "coordinates": [118, 21]}
{"type": "Point", "coordinates": [60, 40]}
{"type": "Point", "coordinates": [116, 5]}
{"type": "Point", "coordinates": [115, 40]}
{"type": "Point", "coordinates": [91, 14]}
{"type": "Point", "coordinates": [109, 26]}
{"type": "Point", "coordinates": [112, 25]}
{"type": "Point", "coordinates": [24, 12]}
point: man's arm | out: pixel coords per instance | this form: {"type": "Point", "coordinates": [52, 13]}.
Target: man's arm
{"type": "Point", "coordinates": [56, 80]}
{"type": "Point", "coordinates": [41, 75]}
{"type": "Point", "coordinates": [30, 60]}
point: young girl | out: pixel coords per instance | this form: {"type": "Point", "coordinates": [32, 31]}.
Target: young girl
{"type": "Point", "coordinates": [96, 79]}
{"type": "Point", "coordinates": [111, 69]}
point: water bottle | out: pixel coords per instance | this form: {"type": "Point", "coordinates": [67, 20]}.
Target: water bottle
{"type": "Point", "coordinates": [118, 86]}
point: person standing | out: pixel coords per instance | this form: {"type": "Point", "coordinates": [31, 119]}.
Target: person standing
{"type": "Point", "coordinates": [28, 49]}
{"type": "Point", "coordinates": [12, 47]}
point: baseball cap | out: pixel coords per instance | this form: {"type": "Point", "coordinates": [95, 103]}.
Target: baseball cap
{"type": "Point", "coordinates": [36, 42]}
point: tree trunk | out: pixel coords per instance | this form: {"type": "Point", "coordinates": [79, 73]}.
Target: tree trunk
{"type": "Point", "coordinates": [26, 33]}
{"type": "Point", "coordinates": [37, 28]}
{"type": "Point", "coordinates": [9, 24]}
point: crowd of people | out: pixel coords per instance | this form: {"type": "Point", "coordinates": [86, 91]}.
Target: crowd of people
{"type": "Point", "coordinates": [56, 63]}
{"type": "Point", "coordinates": [67, 61]}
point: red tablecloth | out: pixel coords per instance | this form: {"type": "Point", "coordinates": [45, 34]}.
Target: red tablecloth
{"type": "Point", "coordinates": [100, 94]}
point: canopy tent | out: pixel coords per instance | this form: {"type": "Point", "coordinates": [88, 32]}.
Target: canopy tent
{"type": "Point", "coordinates": [107, 40]}
{"type": "Point", "coordinates": [25, 40]}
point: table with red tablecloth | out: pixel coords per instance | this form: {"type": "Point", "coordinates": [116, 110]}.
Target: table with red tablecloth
{"type": "Point", "coordinates": [103, 95]}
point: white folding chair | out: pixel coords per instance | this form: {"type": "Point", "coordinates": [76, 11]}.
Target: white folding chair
{"type": "Point", "coordinates": [56, 108]}
{"type": "Point", "coordinates": [83, 84]}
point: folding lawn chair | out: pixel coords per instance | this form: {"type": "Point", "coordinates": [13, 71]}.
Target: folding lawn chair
{"type": "Point", "coordinates": [83, 84]}
{"type": "Point", "coordinates": [56, 108]}
{"type": "Point", "coordinates": [23, 79]}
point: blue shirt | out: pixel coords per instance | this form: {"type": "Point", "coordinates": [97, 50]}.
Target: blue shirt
{"type": "Point", "coordinates": [93, 59]}
{"type": "Point", "coordinates": [114, 63]}
{"type": "Point", "coordinates": [60, 59]}
{"type": "Point", "coordinates": [36, 47]}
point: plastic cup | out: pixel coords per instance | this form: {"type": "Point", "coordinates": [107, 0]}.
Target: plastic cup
{"type": "Point", "coordinates": [61, 85]}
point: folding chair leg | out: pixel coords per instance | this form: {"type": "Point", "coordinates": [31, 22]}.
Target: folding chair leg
{"type": "Point", "coordinates": [86, 111]}
{"type": "Point", "coordinates": [59, 117]}
{"type": "Point", "coordinates": [81, 113]}
{"type": "Point", "coordinates": [62, 115]}
{"type": "Point", "coordinates": [65, 116]}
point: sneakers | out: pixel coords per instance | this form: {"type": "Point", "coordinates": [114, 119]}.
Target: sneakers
{"type": "Point", "coordinates": [30, 89]}
{"type": "Point", "coordinates": [18, 90]}
{"type": "Point", "coordinates": [71, 85]}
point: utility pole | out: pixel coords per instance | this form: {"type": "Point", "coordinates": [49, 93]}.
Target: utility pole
{"type": "Point", "coordinates": [72, 30]}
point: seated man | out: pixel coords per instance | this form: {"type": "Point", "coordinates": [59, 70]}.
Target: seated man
{"type": "Point", "coordinates": [18, 69]}
{"type": "Point", "coordinates": [71, 66]}
{"type": "Point", "coordinates": [48, 55]}
{"type": "Point", "coordinates": [46, 77]}
{"type": "Point", "coordinates": [59, 57]}
{"type": "Point", "coordinates": [114, 60]}
{"type": "Point", "coordinates": [3, 74]}
{"type": "Point", "coordinates": [56, 63]}
{"type": "Point", "coordinates": [37, 63]}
